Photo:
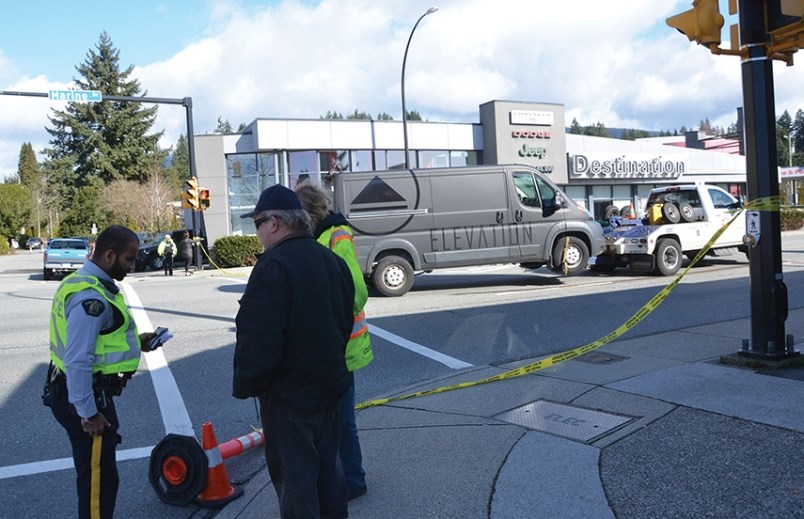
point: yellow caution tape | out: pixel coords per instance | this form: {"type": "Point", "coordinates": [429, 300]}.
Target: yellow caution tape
{"type": "Point", "coordinates": [764, 204]}
{"type": "Point", "coordinates": [217, 267]}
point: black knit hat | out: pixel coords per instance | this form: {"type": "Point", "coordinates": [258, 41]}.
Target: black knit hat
{"type": "Point", "coordinates": [275, 198]}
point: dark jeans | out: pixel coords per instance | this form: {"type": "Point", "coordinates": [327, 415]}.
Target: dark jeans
{"type": "Point", "coordinates": [301, 449]}
{"type": "Point", "coordinates": [188, 261]}
{"type": "Point", "coordinates": [350, 454]}
{"type": "Point", "coordinates": [96, 479]}
{"type": "Point", "coordinates": [168, 263]}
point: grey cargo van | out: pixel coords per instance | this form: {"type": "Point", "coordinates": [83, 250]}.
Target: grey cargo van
{"type": "Point", "coordinates": [424, 219]}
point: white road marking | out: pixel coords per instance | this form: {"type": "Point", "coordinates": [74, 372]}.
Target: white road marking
{"type": "Point", "coordinates": [418, 348]}
{"type": "Point", "coordinates": [171, 403]}
{"type": "Point", "coordinates": [40, 467]}
{"type": "Point", "coordinates": [409, 345]}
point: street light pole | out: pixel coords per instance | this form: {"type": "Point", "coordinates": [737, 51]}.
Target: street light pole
{"type": "Point", "coordinates": [404, 110]}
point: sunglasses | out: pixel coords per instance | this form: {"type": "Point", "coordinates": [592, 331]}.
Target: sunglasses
{"type": "Point", "coordinates": [261, 221]}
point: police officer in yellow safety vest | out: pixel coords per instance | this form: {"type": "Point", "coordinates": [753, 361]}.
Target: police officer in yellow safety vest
{"type": "Point", "coordinates": [331, 230]}
{"type": "Point", "coordinates": [94, 349]}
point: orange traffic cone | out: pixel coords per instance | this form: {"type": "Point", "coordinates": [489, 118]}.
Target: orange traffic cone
{"type": "Point", "coordinates": [219, 491]}
{"type": "Point", "coordinates": [631, 212]}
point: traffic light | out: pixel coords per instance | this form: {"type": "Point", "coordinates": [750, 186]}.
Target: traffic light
{"type": "Point", "coordinates": [189, 197]}
{"type": "Point", "coordinates": [203, 196]}
{"type": "Point", "coordinates": [702, 23]}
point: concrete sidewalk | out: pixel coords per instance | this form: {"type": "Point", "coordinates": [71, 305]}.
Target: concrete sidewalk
{"type": "Point", "coordinates": [649, 427]}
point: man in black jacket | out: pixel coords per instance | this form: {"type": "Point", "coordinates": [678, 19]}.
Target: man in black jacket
{"type": "Point", "coordinates": [294, 322]}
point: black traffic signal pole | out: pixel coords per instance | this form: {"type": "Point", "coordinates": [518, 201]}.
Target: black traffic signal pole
{"type": "Point", "coordinates": [768, 291]}
{"type": "Point", "coordinates": [187, 102]}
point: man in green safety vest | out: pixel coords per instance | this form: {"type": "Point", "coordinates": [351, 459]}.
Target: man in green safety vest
{"type": "Point", "coordinates": [94, 350]}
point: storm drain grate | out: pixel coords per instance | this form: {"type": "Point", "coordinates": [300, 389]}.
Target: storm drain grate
{"type": "Point", "coordinates": [568, 421]}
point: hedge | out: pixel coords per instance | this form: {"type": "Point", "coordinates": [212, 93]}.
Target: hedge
{"type": "Point", "coordinates": [4, 247]}
{"type": "Point", "coordinates": [237, 251]}
{"type": "Point", "coordinates": [792, 219]}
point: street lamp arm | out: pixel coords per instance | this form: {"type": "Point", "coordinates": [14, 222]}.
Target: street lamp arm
{"type": "Point", "coordinates": [404, 109]}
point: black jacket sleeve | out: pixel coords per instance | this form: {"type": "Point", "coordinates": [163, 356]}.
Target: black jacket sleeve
{"type": "Point", "coordinates": [261, 323]}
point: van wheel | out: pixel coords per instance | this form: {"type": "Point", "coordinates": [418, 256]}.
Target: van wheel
{"type": "Point", "coordinates": [573, 252]}
{"type": "Point", "coordinates": [668, 257]}
{"type": "Point", "coordinates": [47, 274]}
{"type": "Point", "coordinates": [393, 276]}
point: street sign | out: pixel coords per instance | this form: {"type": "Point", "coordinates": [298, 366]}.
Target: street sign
{"type": "Point", "coordinates": [78, 96]}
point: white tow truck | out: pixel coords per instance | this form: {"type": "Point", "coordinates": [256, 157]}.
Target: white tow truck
{"type": "Point", "coordinates": [678, 221]}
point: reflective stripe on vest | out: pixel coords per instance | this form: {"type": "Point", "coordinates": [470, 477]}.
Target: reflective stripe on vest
{"type": "Point", "coordinates": [115, 352]}
{"type": "Point", "coordinates": [360, 326]}
{"type": "Point", "coordinates": [338, 235]}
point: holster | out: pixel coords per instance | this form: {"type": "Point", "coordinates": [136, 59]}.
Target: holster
{"type": "Point", "coordinates": [54, 385]}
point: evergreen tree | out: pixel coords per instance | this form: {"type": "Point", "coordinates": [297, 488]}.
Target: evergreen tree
{"type": "Point", "coordinates": [82, 213]}
{"type": "Point", "coordinates": [575, 127]}
{"type": "Point", "coordinates": [798, 132]}
{"type": "Point", "coordinates": [382, 116]}
{"type": "Point", "coordinates": [597, 130]}
{"type": "Point", "coordinates": [413, 115]}
{"type": "Point", "coordinates": [332, 115]}
{"type": "Point", "coordinates": [28, 169]}
{"type": "Point", "coordinates": [363, 116]}
{"type": "Point", "coordinates": [223, 127]}
{"type": "Point", "coordinates": [30, 175]}
{"type": "Point", "coordinates": [783, 131]}
{"type": "Point", "coordinates": [15, 209]}
{"type": "Point", "coordinates": [180, 158]}
{"type": "Point", "coordinates": [107, 140]}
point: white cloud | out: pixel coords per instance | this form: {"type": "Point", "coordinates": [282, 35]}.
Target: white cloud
{"type": "Point", "coordinates": [613, 62]}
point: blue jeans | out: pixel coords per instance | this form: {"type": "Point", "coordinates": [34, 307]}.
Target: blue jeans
{"type": "Point", "coordinates": [351, 457]}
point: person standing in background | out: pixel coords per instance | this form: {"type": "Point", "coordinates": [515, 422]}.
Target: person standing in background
{"type": "Point", "coordinates": [331, 230]}
{"type": "Point", "coordinates": [166, 249]}
{"type": "Point", "coordinates": [186, 248]}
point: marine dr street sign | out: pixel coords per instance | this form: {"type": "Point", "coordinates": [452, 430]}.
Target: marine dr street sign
{"type": "Point", "coordinates": [85, 96]}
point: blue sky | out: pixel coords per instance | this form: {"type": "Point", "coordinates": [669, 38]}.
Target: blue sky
{"type": "Point", "coordinates": [613, 61]}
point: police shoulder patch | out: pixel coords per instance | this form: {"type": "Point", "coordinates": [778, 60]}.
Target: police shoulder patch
{"type": "Point", "coordinates": [93, 307]}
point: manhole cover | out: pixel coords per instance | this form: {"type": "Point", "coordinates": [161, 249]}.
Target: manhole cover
{"type": "Point", "coordinates": [568, 421]}
{"type": "Point", "coordinates": [599, 357]}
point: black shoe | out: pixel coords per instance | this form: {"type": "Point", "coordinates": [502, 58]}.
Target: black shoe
{"type": "Point", "coordinates": [353, 493]}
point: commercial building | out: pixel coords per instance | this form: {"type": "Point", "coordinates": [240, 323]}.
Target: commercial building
{"type": "Point", "coordinates": [600, 173]}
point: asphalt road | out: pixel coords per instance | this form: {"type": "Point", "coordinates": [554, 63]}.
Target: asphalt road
{"type": "Point", "coordinates": [479, 316]}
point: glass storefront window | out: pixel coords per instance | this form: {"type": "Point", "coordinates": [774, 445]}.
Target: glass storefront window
{"type": "Point", "coordinates": [434, 159]}
{"type": "Point", "coordinates": [334, 161]}
{"type": "Point", "coordinates": [458, 158]}
{"type": "Point", "coordinates": [380, 163]}
{"type": "Point", "coordinates": [361, 161]}
{"type": "Point", "coordinates": [248, 174]}
{"type": "Point", "coordinates": [301, 161]}
{"type": "Point", "coordinates": [396, 159]}
{"type": "Point", "coordinates": [578, 194]}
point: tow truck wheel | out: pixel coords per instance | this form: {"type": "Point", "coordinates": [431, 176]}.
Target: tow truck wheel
{"type": "Point", "coordinates": [687, 212]}
{"type": "Point", "coordinates": [668, 257]}
{"type": "Point", "coordinates": [393, 276]}
{"type": "Point", "coordinates": [671, 213]}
